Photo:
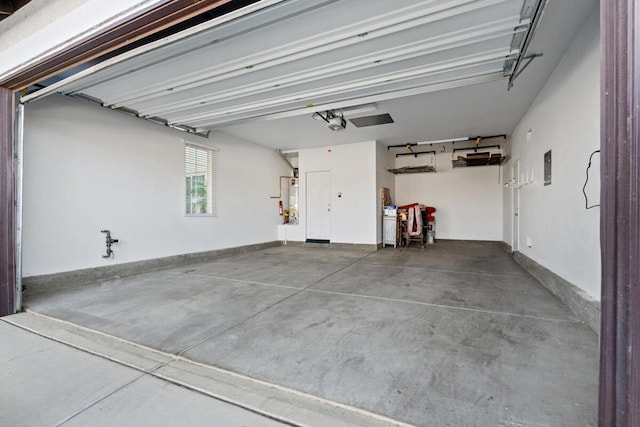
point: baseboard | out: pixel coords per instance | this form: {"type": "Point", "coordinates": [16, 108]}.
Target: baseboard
{"type": "Point", "coordinates": [72, 279]}
{"type": "Point", "coordinates": [505, 247]}
{"type": "Point", "coordinates": [371, 247]}
{"type": "Point", "coordinates": [587, 309]}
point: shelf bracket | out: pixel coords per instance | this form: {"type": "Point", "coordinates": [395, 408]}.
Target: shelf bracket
{"type": "Point", "coordinates": [476, 148]}
{"type": "Point", "coordinates": [416, 153]}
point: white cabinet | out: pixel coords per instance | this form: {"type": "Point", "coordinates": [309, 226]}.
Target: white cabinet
{"type": "Point", "coordinates": [390, 231]}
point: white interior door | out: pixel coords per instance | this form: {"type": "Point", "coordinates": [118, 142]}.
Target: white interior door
{"type": "Point", "coordinates": [515, 206]}
{"type": "Point", "coordinates": [319, 205]}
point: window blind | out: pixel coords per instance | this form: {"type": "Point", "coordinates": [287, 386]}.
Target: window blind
{"type": "Point", "coordinates": [200, 185]}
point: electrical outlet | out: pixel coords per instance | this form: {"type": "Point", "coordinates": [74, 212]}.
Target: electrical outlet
{"type": "Point", "coordinates": [529, 244]}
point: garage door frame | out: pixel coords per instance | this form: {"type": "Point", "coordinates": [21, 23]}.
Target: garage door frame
{"type": "Point", "coordinates": [619, 401]}
{"type": "Point", "coordinates": [7, 203]}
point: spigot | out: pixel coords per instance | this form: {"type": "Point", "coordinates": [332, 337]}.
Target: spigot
{"type": "Point", "coordinates": [109, 242]}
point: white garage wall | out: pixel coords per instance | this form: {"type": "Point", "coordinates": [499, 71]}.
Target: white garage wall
{"type": "Point", "coordinates": [353, 173]}
{"type": "Point", "coordinates": [88, 168]}
{"type": "Point", "coordinates": [564, 118]}
{"type": "Point", "coordinates": [468, 200]}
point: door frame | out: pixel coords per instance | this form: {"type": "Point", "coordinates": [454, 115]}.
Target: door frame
{"type": "Point", "coordinates": [307, 210]}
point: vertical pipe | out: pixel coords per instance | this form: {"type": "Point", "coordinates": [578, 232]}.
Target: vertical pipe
{"type": "Point", "coordinates": [19, 164]}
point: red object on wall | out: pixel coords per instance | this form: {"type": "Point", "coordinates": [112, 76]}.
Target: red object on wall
{"type": "Point", "coordinates": [408, 206]}
{"type": "Point", "coordinates": [281, 208]}
{"type": "Point", "coordinates": [429, 209]}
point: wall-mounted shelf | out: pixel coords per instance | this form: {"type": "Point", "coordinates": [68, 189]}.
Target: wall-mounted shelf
{"type": "Point", "coordinates": [413, 169]}
{"type": "Point", "coordinates": [463, 162]}
{"type": "Point", "coordinates": [416, 153]}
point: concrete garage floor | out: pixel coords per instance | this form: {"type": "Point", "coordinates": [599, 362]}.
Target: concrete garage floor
{"type": "Point", "coordinates": [455, 334]}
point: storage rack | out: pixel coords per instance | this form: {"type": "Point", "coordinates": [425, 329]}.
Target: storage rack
{"type": "Point", "coordinates": [477, 160]}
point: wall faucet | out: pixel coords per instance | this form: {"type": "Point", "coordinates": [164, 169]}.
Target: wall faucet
{"type": "Point", "coordinates": [109, 242]}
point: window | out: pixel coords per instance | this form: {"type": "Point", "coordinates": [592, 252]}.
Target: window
{"type": "Point", "coordinates": [199, 172]}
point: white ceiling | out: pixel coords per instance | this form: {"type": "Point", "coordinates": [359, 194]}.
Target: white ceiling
{"type": "Point", "coordinates": [290, 58]}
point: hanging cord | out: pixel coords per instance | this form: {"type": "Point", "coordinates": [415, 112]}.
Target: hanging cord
{"type": "Point", "coordinates": [584, 188]}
